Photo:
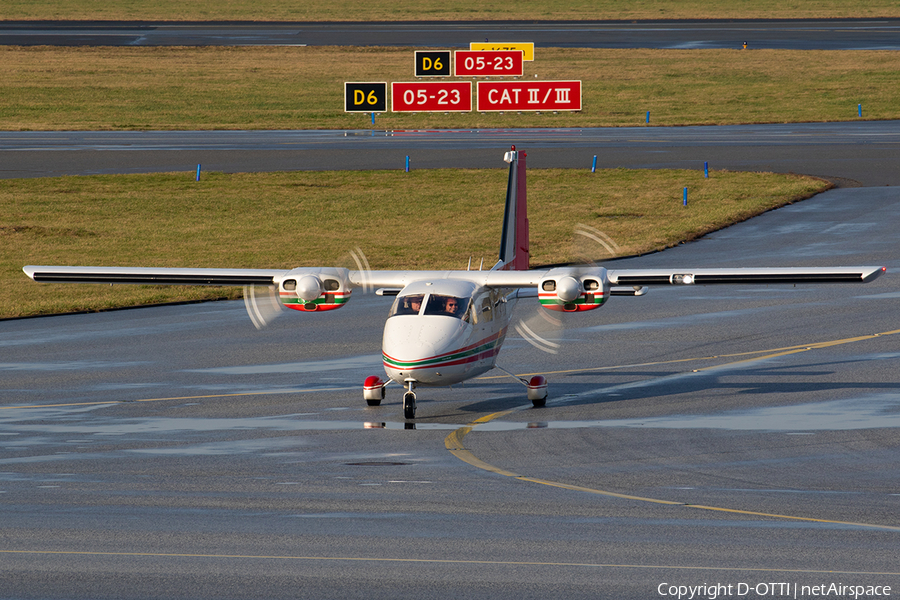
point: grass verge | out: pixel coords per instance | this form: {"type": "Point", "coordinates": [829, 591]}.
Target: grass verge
{"type": "Point", "coordinates": [302, 88]}
{"type": "Point", "coordinates": [403, 10]}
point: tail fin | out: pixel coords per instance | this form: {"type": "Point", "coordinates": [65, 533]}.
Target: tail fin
{"type": "Point", "coordinates": [514, 254]}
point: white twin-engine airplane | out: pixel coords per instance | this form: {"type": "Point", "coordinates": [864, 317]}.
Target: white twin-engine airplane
{"type": "Point", "coordinates": [446, 327]}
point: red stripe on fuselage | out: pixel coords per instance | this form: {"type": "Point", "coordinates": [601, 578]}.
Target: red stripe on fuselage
{"type": "Point", "coordinates": [462, 361]}
{"type": "Point", "coordinates": [475, 357]}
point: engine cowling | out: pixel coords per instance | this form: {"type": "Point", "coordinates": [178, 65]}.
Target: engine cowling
{"type": "Point", "coordinates": [571, 290]}
{"type": "Point", "coordinates": [313, 290]}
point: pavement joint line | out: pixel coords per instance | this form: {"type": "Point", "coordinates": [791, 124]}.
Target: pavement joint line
{"type": "Point", "coordinates": [512, 563]}
{"type": "Point", "coordinates": [173, 398]}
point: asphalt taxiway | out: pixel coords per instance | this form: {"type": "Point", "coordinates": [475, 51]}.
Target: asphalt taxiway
{"type": "Point", "coordinates": [861, 153]}
{"type": "Point", "coordinates": [800, 34]}
{"type": "Point", "coordinates": [694, 435]}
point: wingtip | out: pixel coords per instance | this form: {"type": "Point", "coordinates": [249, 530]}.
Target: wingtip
{"type": "Point", "coordinates": [875, 273]}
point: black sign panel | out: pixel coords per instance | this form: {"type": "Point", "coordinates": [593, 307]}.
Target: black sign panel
{"type": "Point", "coordinates": [365, 97]}
{"type": "Point", "coordinates": [432, 64]}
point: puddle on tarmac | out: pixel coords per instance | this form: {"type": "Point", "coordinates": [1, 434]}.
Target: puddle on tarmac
{"type": "Point", "coordinates": [872, 412]}
{"type": "Point", "coordinates": [160, 425]}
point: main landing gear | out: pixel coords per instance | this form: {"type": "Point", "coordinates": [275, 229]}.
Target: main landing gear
{"type": "Point", "coordinates": [537, 387]}
{"type": "Point", "coordinates": [373, 390]}
{"type": "Point", "coordinates": [537, 390]}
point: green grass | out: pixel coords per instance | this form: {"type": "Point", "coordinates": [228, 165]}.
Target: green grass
{"type": "Point", "coordinates": [417, 220]}
{"type": "Point", "coordinates": [404, 10]}
{"type": "Point", "coordinates": [302, 88]}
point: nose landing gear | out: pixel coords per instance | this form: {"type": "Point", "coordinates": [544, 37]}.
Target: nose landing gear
{"type": "Point", "coordinates": [409, 400]}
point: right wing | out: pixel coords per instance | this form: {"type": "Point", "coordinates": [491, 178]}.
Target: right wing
{"type": "Point", "coordinates": [154, 276]}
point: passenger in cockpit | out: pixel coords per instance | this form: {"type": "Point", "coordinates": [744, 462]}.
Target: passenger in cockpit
{"type": "Point", "coordinates": [407, 305]}
{"type": "Point", "coordinates": [451, 307]}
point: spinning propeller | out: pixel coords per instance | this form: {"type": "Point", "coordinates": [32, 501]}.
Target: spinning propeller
{"type": "Point", "coordinates": [308, 290]}
{"type": "Point", "coordinates": [263, 304]}
{"type": "Point", "coordinates": [573, 288]}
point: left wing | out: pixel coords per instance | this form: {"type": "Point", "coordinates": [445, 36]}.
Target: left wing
{"type": "Point", "coordinates": [640, 277]}
{"type": "Point", "coordinates": [630, 277]}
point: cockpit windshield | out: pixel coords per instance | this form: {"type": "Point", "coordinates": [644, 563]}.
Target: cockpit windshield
{"type": "Point", "coordinates": [435, 305]}
{"type": "Point", "coordinates": [446, 306]}
{"type": "Point", "coordinates": [407, 305]}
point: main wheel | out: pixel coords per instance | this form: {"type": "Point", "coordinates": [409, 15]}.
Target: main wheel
{"type": "Point", "coordinates": [537, 391]}
{"type": "Point", "coordinates": [373, 390]}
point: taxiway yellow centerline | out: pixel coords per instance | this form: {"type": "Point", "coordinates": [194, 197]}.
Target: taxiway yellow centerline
{"type": "Point", "coordinates": [454, 441]}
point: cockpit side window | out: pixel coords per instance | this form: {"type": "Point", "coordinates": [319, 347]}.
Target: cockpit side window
{"type": "Point", "coordinates": [483, 308]}
{"type": "Point", "coordinates": [407, 305]}
{"type": "Point", "coordinates": [446, 306]}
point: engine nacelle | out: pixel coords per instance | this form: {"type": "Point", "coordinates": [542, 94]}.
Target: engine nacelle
{"type": "Point", "coordinates": [574, 290]}
{"type": "Point", "coordinates": [311, 290]}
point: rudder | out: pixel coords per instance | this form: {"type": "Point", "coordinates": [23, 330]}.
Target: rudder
{"type": "Point", "coordinates": [514, 251]}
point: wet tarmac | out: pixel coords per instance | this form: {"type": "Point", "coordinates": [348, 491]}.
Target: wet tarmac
{"type": "Point", "coordinates": [735, 434]}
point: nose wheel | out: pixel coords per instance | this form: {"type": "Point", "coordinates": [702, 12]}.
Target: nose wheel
{"type": "Point", "coordinates": [409, 401]}
{"type": "Point", "coordinates": [409, 405]}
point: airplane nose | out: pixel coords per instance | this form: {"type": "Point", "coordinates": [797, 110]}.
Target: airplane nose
{"type": "Point", "coordinates": [407, 340]}
{"type": "Point", "coordinates": [414, 346]}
